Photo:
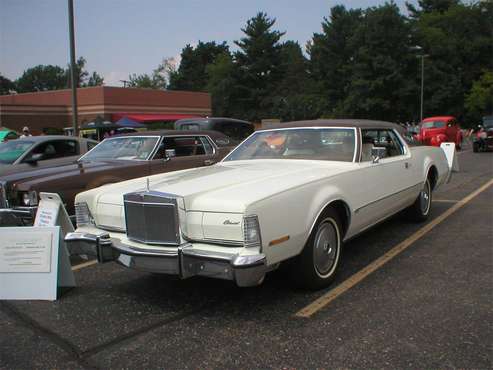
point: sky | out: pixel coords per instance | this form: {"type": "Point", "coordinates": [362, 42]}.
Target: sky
{"type": "Point", "coordinates": [121, 37]}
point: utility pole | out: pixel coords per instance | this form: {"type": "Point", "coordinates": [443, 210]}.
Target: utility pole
{"type": "Point", "coordinates": [73, 71]}
{"type": "Point", "coordinates": [422, 84]}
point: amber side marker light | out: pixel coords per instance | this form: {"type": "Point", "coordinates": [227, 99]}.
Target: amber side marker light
{"type": "Point", "coordinates": [278, 241]}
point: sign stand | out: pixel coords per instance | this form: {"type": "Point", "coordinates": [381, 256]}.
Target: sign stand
{"type": "Point", "coordinates": [34, 261]}
{"type": "Point", "coordinates": [51, 212]}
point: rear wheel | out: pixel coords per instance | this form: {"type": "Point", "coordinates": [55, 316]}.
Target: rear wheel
{"type": "Point", "coordinates": [420, 209]}
{"type": "Point", "coordinates": [317, 264]}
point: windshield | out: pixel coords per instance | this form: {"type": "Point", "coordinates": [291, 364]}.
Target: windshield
{"type": "Point", "coordinates": [488, 123]}
{"type": "Point", "coordinates": [11, 150]}
{"type": "Point", "coordinates": [330, 144]}
{"type": "Point", "coordinates": [127, 148]}
{"type": "Point", "coordinates": [433, 124]}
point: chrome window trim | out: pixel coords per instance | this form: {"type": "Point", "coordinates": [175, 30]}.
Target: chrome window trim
{"type": "Point", "coordinates": [207, 137]}
{"type": "Point", "coordinates": [304, 128]}
{"type": "Point", "coordinates": [120, 137]}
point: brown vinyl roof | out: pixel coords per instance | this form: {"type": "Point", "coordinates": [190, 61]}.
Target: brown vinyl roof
{"type": "Point", "coordinates": [360, 123]}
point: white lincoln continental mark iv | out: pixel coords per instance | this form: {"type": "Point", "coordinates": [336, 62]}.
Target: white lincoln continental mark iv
{"type": "Point", "coordinates": [295, 192]}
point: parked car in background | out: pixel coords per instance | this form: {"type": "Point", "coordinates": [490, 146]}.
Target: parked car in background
{"type": "Point", "coordinates": [294, 192]}
{"type": "Point", "coordinates": [35, 152]}
{"type": "Point", "coordinates": [6, 135]}
{"type": "Point", "coordinates": [482, 139]}
{"type": "Point", "coordinates": [437, 130]}
{"type": "Point", "coordinates": [113, 160]}
{"type": "Point", "coordinates": [235, 129]}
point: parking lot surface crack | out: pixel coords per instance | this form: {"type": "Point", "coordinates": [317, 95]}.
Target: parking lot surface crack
{"type": "Point", "coordinates": [71, 350]}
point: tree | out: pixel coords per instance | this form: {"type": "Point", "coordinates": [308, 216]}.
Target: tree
{"type": "Point", "coordinates": [258, 61]}
{"type": "Point", "coordinates": [191, 74]}
{"type": "Point", "coordinates": [380, 66]}
{"type": "Point", "coordinates": [6, 85]}
{"type": "Point", "coordinates": [222, 85]}
{"type": "Point", "coordinates": [331, 55]}
{"type": "Point", "coordinates": [429, 6]}
{"type": "Point", "coordinates": [95, 80]}
{"type": "Point", "coordinates": [82, 76]}
{"type": "Point", "coordinates": [158, 79]}
{"type": "Point", "coordinates": [459, 42]}
{"type": "Point", "coordinates": [41, 78]}
{"type": "Point", "coordinates": [479, 100]}
{"type": "Point", "coordinates": [294, 97]}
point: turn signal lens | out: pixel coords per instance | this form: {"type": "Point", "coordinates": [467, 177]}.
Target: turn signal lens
{"type": "Point", "coordinates": [251, 232]}
{"type": "Point", "coordinates": [83, 216]}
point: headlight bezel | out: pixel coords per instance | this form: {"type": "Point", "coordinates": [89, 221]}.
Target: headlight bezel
{"type": "Point", "coordinates": [83, 216]}
{"type": "Point", "coordinates": [252, 236]}
{"type": "Point", "coordinates": [29, 198]}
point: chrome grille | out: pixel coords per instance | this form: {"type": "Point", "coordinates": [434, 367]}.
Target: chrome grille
{"type": "Point", "coordinates": [152, 218]}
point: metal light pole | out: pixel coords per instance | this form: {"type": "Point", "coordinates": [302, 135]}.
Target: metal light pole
{"type": "Point", "coordinates": [423, 56]}
{"type": "Point", "coordinates": [73, 71]}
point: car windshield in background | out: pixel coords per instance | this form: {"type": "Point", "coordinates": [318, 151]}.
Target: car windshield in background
{"type": "Point", "coordinates": [125, 148]}
{"type": "Point", "coordinates": [11, 150]}
{"type": "Point", "coordinates": [330, 144]}
{"type": "Point", "coordinates": [433, 124]}
{"type": "Point", "coordinates": [488, 123]}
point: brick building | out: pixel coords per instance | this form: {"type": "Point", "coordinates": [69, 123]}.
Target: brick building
{"type": "Point", "coordinates": [52, 109]}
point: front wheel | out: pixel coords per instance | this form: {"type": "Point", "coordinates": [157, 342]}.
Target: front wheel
{"type": "Point", "coordinates": [420, 209]}
{"type": "Point", "coordinates": [317, 264]}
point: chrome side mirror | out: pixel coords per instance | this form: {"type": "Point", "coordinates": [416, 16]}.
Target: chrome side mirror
{"type": "Point", "coordinates": [378, 153]}
{"type": "Point", "coordinates": [169, 153]}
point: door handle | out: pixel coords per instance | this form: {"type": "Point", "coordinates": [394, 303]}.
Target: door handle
{"type": "Point", "coordinates": [208, 162]}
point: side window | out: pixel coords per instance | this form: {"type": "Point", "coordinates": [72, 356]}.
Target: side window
{"type": "Point", "coordinates": [47, 149]}
{"type": "Point", "coordinates": [91, 145]}
{"type": "Point", "coordinates": [380, 138]}
{"type": "Point", "coordinates": [66, 148]}
{"type": "Point", "coordinates": [207, 145]}
{"type": "Point", "coordinates": [184, 146]}
{"type": "Point", "coordinates": [390, 141]}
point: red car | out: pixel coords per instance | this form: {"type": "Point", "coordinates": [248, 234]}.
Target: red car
{"type": "Point", "coordinates": [436, 130]}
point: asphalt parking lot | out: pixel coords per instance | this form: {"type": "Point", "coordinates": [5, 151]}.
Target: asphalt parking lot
{"type": "Point", "coordinates": [429, 306]}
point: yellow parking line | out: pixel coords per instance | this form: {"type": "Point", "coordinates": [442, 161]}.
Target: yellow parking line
{"type": "Point", "coordinates": [332, 294]}
{"type": "Point", "coordinates": [445, 200]}
{"type": "Point", "coordinates": [85, 264]}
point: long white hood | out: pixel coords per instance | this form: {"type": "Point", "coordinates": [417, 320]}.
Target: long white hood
{"type": "Point", "coordinates": [225, 187]}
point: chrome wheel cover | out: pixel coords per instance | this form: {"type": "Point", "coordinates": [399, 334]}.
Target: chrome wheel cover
{"type": "Point", "coordinates": [326, 246]}
{"type": "Point", "coordinates": [425, 198]}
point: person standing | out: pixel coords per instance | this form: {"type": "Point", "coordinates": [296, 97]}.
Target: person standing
{"type": "Point", "coordinates": [25, 132]}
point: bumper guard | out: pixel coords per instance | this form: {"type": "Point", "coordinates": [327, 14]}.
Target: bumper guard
{"type": "Point", "coordinates": [186, 261]}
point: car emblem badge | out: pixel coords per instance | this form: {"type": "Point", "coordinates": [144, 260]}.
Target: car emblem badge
{"type": "Point", "coordinates": [229, 222]}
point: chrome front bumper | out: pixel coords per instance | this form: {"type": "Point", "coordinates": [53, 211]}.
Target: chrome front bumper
{"type": "Point", "coordinates": [186, 261]}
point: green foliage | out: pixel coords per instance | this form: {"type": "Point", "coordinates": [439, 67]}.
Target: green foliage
{"type": "Point", "coordinates": [479, 100]}
{"type": "Point", "coordinates": [6, 85]}
{"type": "Point", "coordinates": [41, 78]}
{"type": "Point", "coordinates": [158, 79]}
{"type": "Point", "coordinates": [82, 76]}
{"type": "Point", "coordinates": [191, 74]}
{"type": "Point", "coordinates": [459, 42]}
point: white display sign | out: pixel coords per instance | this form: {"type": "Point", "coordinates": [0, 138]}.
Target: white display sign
{"type": "Point", "coordinates": [34, 261]}
{"type": "Point", "coordinates": [29, 262]}
{"type": "Point", "coordinates": [25, 252]}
